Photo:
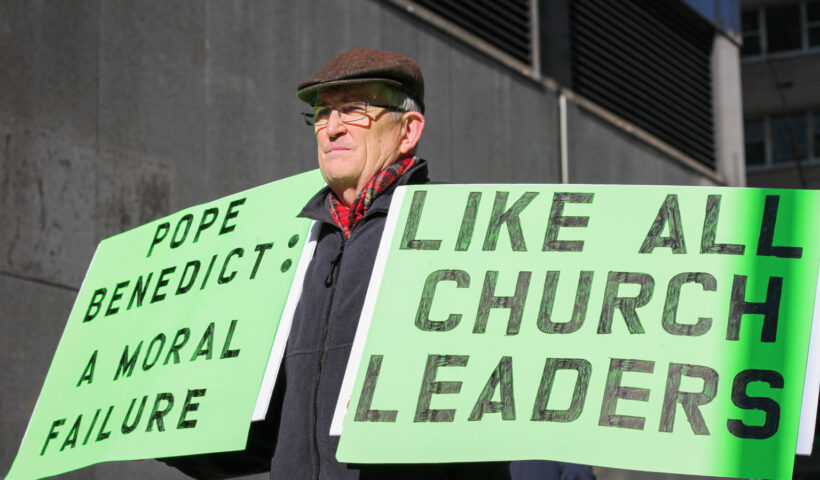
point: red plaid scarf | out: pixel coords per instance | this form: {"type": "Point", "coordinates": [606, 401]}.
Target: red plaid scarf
{"type": "Point", "coordinates": [346, 217]}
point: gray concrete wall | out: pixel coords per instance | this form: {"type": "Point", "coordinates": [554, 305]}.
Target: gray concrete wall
{"type": "Point", "coordinates": [114, 113]}
{"type": "Point", "coordinates": [785, 176]}
{"type": "Point", "coordinates": [599, 153]}
{"type": "Point", "coordinates": [727, 106]}
{"type": "Point", "coordinates": [796, 76]}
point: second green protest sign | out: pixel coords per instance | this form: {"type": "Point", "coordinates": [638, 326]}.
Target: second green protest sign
{"type": "Point", "coordinates": [652, 328]}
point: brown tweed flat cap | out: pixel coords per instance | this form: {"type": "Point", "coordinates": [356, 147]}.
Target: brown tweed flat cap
{"type": "Point", "coordinates": [363, 65]}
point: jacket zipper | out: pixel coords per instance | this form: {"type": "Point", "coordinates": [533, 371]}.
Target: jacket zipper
{"type": "Point", "coordinates": [330, 282]}
{"type": "Point", "coordinates": [334, 267]}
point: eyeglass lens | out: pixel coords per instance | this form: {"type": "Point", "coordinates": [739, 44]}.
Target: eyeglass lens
{"type": "Point", "coordinates": [349, 112]}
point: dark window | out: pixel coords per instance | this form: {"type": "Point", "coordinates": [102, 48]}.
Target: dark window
{"type": "Point", "coordinates": [782, 139]}
{"type": "Point", "coordinates": [813, 23]}
{"type": "Point", "coordinates": [783, 27]}
{"type": "Point", "coordinates": [815, 121]}
{"type": "Point", "coordinates": [755, 142]}
{"type": "Point", "coordinates": [789, 142]}
{"type": "Point", "coordinates": [751, 32]}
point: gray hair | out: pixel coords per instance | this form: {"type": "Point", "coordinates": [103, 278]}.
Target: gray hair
{"type": "Point", "coordinates": [398, 98]}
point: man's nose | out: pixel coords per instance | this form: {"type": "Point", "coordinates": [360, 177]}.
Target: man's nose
{"type": "Point", "coordinates": [335, 125]}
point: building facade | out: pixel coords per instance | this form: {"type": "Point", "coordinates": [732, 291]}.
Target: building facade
{"type": "Point", "coordinates": [781, 92]}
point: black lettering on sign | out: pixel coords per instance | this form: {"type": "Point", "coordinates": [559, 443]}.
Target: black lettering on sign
{"type": "Point", "coordinates": [670, 308]}
{"type": "Point", "coordinates": [157, 413]}
{"type": "Point", "coordinates": [363, 411]}
{"type": "Point", "coordinates": [208, 219]}
{"type": "Point", "coordinates": [690, 401]}
{"type": "Point", "coordinates": [503, 375]}
{"type": "Point", "coordinates": [579, 311]}
{"type": "Point", "coordinates": [180, 339]}
{"type": "Point", "coordinates": [71, 438]}
{"type": "Point", "coordinates": [188, 219]}
{"type": "Point", "coordinates": [161, 283]}
{"type": "Point", "coordinates": [190, 406]}
{"type": "Point", "coordinates": [408, 239]}
{"type": "Point", "coordinates": [126, 366]}
{"type": "Point", "coordinates": [707, 239]}
{"type": "Point", "coordinates": [226, 347]}
{"type": "Point", "coordinates": [52, 433]}
{"type": "Point", "coordinates": [231, 213]}
{"type": "Point", "coordinates": [115, 295]}
{"type": "Point", "coordinates": [489, 301]}
{"type": "Point", "coordinates": [770, 309]}
{"type": "Point", "coordinates": [669, 213]}
{"type": "Point", "coordinates": [614, 391]}
{"type": "Point", "coordinates": [102, 434]}
{"type": "Point", "coordinates": [147, 364]}
{"type": "Point", "coordinates": [208, 272]}
{"type": "Point", "coordinates": [764, 244]}
{"type": "Point", "coordinates": [206, 344]}
{"type": "Point", "coordinates": [557, 220]}
{"type": "Point", "coordinates": [540, 412]}
{"type": "Point", "coordinates": [91, 427]}
{"type": "Point", "coordinates": [509, 218]}
{"type": "Point", "coordinates": [766, 404]}
{"type": "Point", "coordinates": [162, 230]}
{"type": "Point", "coordinates": [429, 386]}
{"type": "Point", "coordinates": [225, 279]}
{"type": "Point", "coordinates": [465, 233]}
{"type": "Point", "coordinates": [126, 427]}
{"type": "Point", "coordinates": [88, 373]}
{"type": "Point", "coordinates": [261, 248]}
{"type": "Point", "coordinates": [139, 291]}
{"type": "Point", "coordinates": [95, 304]}
{"type": "Point", "coordinates": [627, 305]}
{"type": "Point", "coordinates": [184, 287]}
{"type": "Point", "coordinates": [423, 321]}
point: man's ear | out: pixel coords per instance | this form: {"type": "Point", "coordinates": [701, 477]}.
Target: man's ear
{"type": "Point", "coordinates": [412, 129]}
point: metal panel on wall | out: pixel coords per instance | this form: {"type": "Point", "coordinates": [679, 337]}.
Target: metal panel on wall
{"type": "Point", "coordinates": [505, 25]}
{"type": "Point", "coordinates": [649, 62]}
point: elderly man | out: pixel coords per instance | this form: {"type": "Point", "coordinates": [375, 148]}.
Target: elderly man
{"type": "Point", "coordinates": [367, 116]}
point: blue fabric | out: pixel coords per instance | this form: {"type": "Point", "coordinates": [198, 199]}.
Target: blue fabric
{"type": "Point", "coordinates": [546, 470]}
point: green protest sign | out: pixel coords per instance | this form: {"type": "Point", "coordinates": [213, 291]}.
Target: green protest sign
{"type": "Point", "coordinates": [165, 348]}
{"type": "Point", "coordinates": [652, 328]}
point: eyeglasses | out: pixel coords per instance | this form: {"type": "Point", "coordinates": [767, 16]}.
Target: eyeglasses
{"type": "Point", "coordinates": [351, 112]}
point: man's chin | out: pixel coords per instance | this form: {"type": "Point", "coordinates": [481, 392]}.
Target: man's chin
{"type": "Point", "coordinates": [340, 164]}
{"type": "Point", "coordinates": [338, 160]}
{"type": "Point", "coordinates": [338, 179]}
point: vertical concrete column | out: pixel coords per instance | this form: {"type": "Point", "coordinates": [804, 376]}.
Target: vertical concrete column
{"type": "Point", "coordinates": [727, 105]}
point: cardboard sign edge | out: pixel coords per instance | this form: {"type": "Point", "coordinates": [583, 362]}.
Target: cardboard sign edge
{"type": "Point", "coordinates": [356, 351]}
{"type": "Point", "coordinates": [811, 386]}
{"type": "Point", "coordinates": [285, 322]}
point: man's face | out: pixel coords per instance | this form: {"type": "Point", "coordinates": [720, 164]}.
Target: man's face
{"type": "Point", "coordinates": [351, 153]}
